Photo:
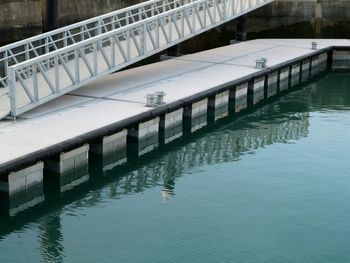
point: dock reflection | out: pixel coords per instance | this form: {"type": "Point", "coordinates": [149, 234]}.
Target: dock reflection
{"type": "Point", "coordinates": [50, 233]}
{"type": "Point", "coordinates": [225, 141]}
{"type": "Point", "coordinates": [23, 200]}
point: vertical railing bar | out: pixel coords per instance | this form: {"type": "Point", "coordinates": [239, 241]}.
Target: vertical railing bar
{"type": "Point", "coordinates": [82, 33]}
{"type": "Point", "coordinates": [157, 34]}
{"type": "Point", "coordinates": [144, 40]}
{"type": "Point", "coordinates": [35, 83]}
{"type": "Point", "coordinates": [26, 54]}
{"type": "Point", "coordinates": [183, 23]}
{"type": "Point", "coordinates": [128, 43]}
{"type": "Point", "coordinates": [205, 6]}
{"type": "Point", "coordinates": [224, 10]}
{"type": "Point", "coordinates": [98, 27]}
{"type": "Point", "coordinates": [12, 92]}
{"type": "Point", "coordinates": [77, 66]}
{"type": "Point", "coordinates": [95, 58]}
{"type": "Point", "coordinates": [47, 50]}
{"type": "Point", "coordinates": [170, 22]}
{"type": "Point", "coordinates": [214, 10]}
{"type": "Point", "coordinates": [6, 64]}
{"type": "Point", "coordinates": [57, 78]}
{"type": "Point", "coordinates": [113, 23]}
{"type": "Point", "coordinates": [193, 19]}
{"type": "Point", "coordinates": [112, 40]}
{"type": "Point", "coordinates": [65, 42]}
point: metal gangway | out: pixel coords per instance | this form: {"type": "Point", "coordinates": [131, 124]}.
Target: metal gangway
{"type": "Point", "coordinates": [41, 68]}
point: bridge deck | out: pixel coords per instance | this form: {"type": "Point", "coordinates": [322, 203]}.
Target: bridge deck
{"type": "Point", "coordinates": [120, 96]}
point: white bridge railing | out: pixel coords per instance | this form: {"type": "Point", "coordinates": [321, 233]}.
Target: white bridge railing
{"type": "Point", "coordinates": [45, 43]}
{"type": "Point", "coordinates": [69, 58]}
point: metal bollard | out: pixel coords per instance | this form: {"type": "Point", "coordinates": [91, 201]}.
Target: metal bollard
{"type": "Point", "coordinates": [259, 64]}
{"type": "Point", "coordinates": [160, 97]}
{"type": "Point", "coordinates": [151, 100]}
{"type": "Point", "coordinates": [314, 45]}
{"type": "Point", "coordinates": [264, 60]}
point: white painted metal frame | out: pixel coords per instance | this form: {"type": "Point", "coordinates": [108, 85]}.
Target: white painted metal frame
{"type": "Point", "coordinates": [43, 78]}
{"type": "Point", "coordinates": [45, 43]}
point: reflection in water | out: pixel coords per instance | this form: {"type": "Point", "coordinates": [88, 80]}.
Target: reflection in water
{"type": "Point", "coordinates": [331, 94]}
{"type": "Point", "coordinates": [72, 179]}
{"type": "Point", "coordinates": [281, 122]}
{"type": "Point", "coordinates": [51, 238]}
{"type": "Point", "coordinates": [23, 200]}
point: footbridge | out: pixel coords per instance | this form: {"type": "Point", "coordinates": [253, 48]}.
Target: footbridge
{"type": "Point", "coordinates": [41, 68]}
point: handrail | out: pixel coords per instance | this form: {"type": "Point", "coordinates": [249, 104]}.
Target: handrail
{"type": "Point", "coordinates": [54, 40]}
{"type": "Point", "coordinates": [94, 39]}
{"type": "Point", "coordinates": [85, 61]}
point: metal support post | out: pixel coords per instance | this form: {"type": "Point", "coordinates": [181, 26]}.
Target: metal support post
{"type": "Point", "coordinates": [174, 51]}
{"type": "Point", "coordinates": [241, 34]}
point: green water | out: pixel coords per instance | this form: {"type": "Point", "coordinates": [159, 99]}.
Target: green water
{"type": "Point", "coordinates": [272, 186]}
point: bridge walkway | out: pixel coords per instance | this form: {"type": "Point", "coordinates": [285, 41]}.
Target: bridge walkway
{"type": "Point", "coordinates": [74, 57]}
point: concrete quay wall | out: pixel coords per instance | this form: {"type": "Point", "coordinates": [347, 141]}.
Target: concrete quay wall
{"type": "Point", "coordinates": [226, 96]}
{"type": "Point", "coordinates": [23, 18]}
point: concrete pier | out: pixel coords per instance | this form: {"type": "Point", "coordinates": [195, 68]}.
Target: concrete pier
{"type": "Point", "coordinates": [318, 64]}
{"type": "Point", "coordinates": [196, 114]}
{"type": "Point", "coordinates": [70, 161]}
{"type": "Point", "coordinates": [256, 91]}
{"type": "Point", "coordinates": [111, 149]}
{"type": "Point", "coordinates": [145, 136]}
{"type": "Point", "coordinates": [219, 104]}
{"type": "Point", "coordinates": [21, 180]}
{"type": "Point", "coordinates": [23, 200]}
{"type": "Point", "coordinates": [69, 169]}
{"type": "Point", "coordinates": [116, 102]}
{"type": "Point", "coordinates": [295, 78]}
{"type": "Point", "coordinates": [71, 179]}
{"type": "Point", "coordinates": [171, 127]}
{"type": "Point", "coordinates": [284, 79]}
{"type": "Point", "coordinates": [241, 95]}
{"type": "Point", "coordinates": [341, 59]}
{"type": "Point", "coordinates": [305, 70]}
{"type": "Point", "coordinates": [272, 84]}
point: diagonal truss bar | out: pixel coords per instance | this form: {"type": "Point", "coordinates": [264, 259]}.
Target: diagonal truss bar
{"type": "Point", "coordinates": [26, 49]}
{"type": "Point", "coordinates": [139, 38]}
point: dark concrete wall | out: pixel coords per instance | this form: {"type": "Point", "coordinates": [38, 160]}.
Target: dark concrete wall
{"type": "Point", "coordinates": [293, 18]}
{"type": "Point", "coordinates": [19, 19]}
{"type": "Point", "coordinates": [71, 11]}
{"type": "Point", "coordinates": [317, 15]}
